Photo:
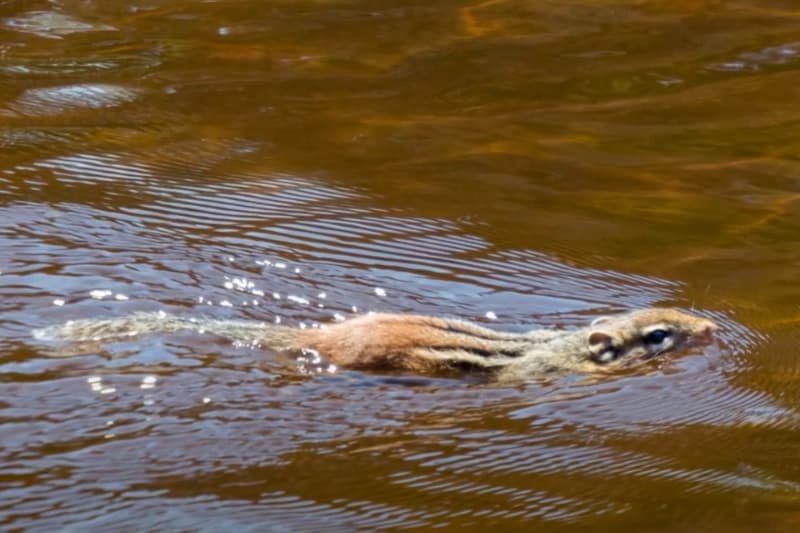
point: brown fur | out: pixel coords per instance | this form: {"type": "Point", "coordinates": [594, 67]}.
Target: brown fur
{"type": "Point", "coordinates": [404, 341]}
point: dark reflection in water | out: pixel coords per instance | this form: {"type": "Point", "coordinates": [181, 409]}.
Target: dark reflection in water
{"type": "Point", "coordinates": [303, 162]}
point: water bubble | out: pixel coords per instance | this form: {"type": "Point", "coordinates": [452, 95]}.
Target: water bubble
{"type": "Point", "coordinates": [206, 400]}
{"type": "Point", "coordinates": [99, 294]}
{"type": "Point", "coordinates": [58, 302]}
{"type": "Point", "coordinates": [380, 292]}
{"type": "Point", "coordinates": [108, 390]}
{"type": "Point", "coordinates": [338, 317]}
{"type": "Point", "coordinates": [311, 357]}
{"type": "Point", "coordinates": [240, 284]}
{"type": "Point", "coordinates": [225, 303]}
{"type": "Point", "coordinates": [491, 315]}
{"type": "Point", "coordinates": [297, 299]}
{"type": "Point", "coordinates": [148, 382]}
{"type": "Point", "coordinates": [121, 297]}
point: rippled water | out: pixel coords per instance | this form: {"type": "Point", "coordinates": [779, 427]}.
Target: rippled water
{"type": "Point", "coordinates": [298, 161]}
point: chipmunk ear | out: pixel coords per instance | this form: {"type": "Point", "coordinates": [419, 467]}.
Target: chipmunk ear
{"type": "Point", "coordinates": [601, 346]}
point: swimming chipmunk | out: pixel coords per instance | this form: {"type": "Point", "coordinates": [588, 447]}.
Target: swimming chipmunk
{"type": "Point", "coordinates": [429, 344]}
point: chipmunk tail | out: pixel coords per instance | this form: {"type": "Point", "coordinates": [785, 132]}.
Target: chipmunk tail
{"type": "Point", "coordinates": [112, 329]}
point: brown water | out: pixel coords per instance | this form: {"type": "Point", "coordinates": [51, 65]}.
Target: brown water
{"type": "Point", "coordinates": [545, 161]}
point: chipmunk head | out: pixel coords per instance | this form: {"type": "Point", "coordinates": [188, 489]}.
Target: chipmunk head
{"type": "Point", "coordinates": [646, 333]}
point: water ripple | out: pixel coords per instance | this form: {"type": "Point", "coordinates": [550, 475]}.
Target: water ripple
{"type": "Point", "coordinates": [66, 98]}
{"type": "Point", "coordinates": [51, 24]}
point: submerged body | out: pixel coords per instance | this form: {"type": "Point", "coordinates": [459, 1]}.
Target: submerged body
{"type": "Point", "coordinates": [429, 344]}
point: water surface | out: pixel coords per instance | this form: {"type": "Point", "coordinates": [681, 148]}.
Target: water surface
{"type": "Point", "coordinates": [543, 161]}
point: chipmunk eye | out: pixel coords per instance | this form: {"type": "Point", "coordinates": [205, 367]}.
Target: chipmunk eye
{"type": "Point", "coordinates": [656, 336]}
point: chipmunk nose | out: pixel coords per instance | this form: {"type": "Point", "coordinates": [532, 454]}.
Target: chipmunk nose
{"type": "Point", "coordinates": [707, 331]}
